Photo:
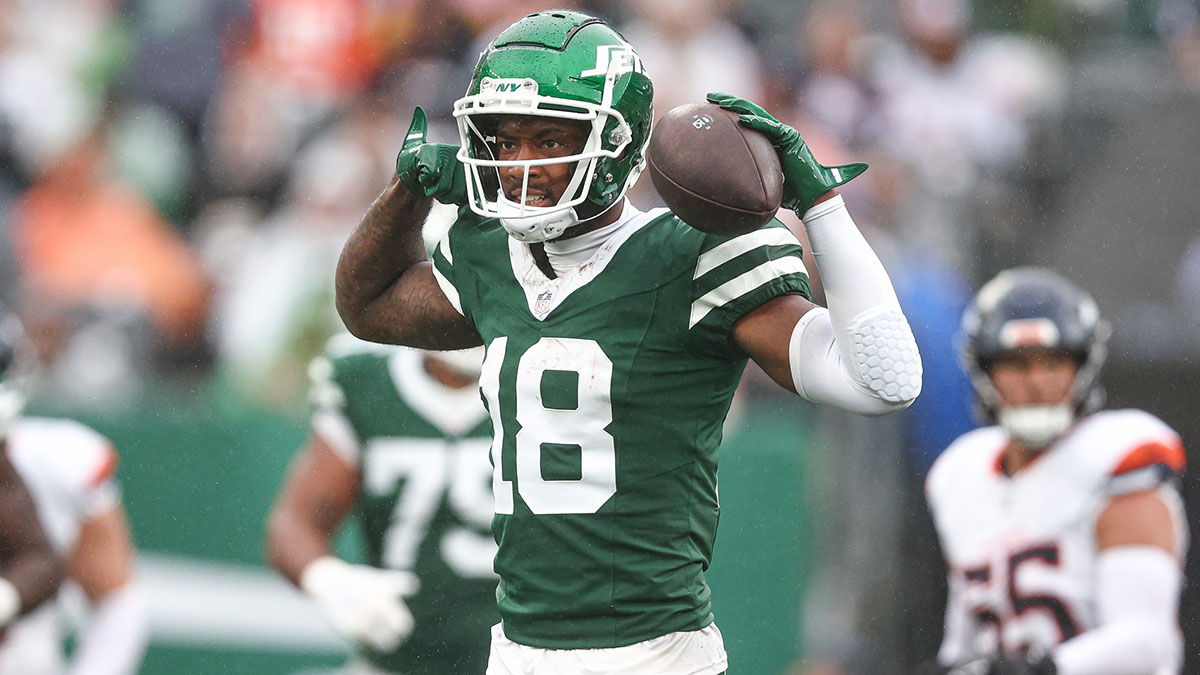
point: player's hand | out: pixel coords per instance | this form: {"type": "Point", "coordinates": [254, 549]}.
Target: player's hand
{"type": "Point", "coordinates": [431, 169]}
{"type": "Point", "coordinates": [804, 178]}
{"type": "Point", "coordinates": [996, 665]}
{"type": "Point", "coordinates": [366, 604]}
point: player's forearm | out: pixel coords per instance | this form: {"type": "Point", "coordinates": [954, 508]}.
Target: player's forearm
{"type": "Point", "coordinates": [114, 639]}
{"type": "Point", "coordinates": [874, 342]}
{"type": "Point", "coordinates": [293, 543]}
{"type": "Point", "coordinates": [30, 569]}
{"type": "Point", "coordinates": [386, 243]}
{"type": "Point", "coordinates": [27, 583]}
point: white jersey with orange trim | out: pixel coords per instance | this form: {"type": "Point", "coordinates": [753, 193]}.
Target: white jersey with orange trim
{"type": "Point", "coordinates": [1021, 549]}
{"type": "Point", "coordinates": [69, 470]}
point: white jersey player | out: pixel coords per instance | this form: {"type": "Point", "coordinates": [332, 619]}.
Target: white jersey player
{"type": "Point", "coordinates": [1061, 525]}
{"type": "Point", "coordinates": [69, 471]}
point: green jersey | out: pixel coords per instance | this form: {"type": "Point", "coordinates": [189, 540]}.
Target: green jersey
{"type": "Point", "coordinates": [424, 502]}
{"type": "Point", "coordinates": [607, 388]}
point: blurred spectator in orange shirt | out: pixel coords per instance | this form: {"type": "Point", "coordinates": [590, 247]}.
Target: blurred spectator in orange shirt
{"type": "Point", "coordinates": [84, 240]}
{"type": "Point", "coordinates": [320, 49]}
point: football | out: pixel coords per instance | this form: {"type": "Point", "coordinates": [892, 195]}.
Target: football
{"type": "Point", "coordinates": [715, 174]}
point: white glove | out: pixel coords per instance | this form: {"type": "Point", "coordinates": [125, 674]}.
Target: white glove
{"type": "Point", "coordinates": [365, 603]}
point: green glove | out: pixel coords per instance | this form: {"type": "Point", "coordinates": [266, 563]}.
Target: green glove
{"type": "Point", "coordinates": [430, 169]}
{"type": "Point", "coordinates": [804, 178]}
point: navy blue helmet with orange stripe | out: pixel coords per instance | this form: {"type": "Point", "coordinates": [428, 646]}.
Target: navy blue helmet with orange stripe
{"type": "Point", "coordinates": [1035, 307]}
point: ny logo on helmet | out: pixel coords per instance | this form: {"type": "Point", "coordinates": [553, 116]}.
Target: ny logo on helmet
{"type": "Point", "coordinates": [617, 58]}
{"type": "Point", "coordinates": [509, 85]}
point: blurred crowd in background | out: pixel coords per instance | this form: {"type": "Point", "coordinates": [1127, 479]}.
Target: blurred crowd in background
{"type": "Point", "coordinates": [177, 177]}
{"type": "Point", "coordinates": [181, 174]}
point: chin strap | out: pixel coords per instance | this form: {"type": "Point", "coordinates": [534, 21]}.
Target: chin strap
{"type": "Point", "coordinates": [537, 228]}
{"type": "Point", "coordinates": [1036, 426]}
{"type": "Point", "coordinates": [534, 229]}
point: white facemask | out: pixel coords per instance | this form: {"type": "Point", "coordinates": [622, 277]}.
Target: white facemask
{"type": "Point", "coordinates": [1036, 426]}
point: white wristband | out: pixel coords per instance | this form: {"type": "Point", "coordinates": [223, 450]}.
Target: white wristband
{"type": "Point", "coordinates": [10, 602]}
{"type": "Point", "coordinates": [318, 573]}
{"type": "Point", "coordinates": [114, 638]}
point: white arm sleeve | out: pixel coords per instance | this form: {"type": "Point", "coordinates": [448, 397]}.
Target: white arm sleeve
{"type": "Point", "coordinates": [1137, 600]}
{"type": "Point", "coordinates": [859, 354]}
{"type": "Point", "coordinates": [114, 639]}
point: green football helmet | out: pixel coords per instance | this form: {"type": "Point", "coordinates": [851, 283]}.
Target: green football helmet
{"type": "Point", "coordinates": [565, 65]}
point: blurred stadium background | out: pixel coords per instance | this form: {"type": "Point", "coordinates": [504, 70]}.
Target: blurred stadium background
{"type": "Point", "coordinates": [176, 178]}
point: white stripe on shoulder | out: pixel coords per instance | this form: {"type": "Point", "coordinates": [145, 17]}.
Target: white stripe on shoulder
{"type": "Point", "coordinates": [771, 236]}
{"type": "Point", "coordinates": [448, 288]}
{"type": "Point", "coordinates": [338, 433]}
{"type": "Point", "coordinates": [444, 247]}
{"type": "Point", "coordinates": [743, 284]}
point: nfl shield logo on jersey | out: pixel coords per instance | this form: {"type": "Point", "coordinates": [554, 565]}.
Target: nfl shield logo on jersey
{"type": "Point", "coordinates": [543, 302]}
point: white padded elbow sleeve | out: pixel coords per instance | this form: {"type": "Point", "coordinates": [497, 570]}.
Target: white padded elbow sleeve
{"type": "Point", "coordinates": [878, 353]}
{"type": "Point", "coordinates": [821, 375]}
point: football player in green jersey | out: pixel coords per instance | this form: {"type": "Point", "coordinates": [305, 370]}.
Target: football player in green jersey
{"type": "Point", "coordinates": [400, 437]}
{"type": "Point", "coordinates": [614, 337]}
